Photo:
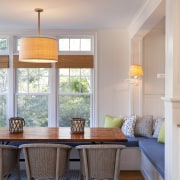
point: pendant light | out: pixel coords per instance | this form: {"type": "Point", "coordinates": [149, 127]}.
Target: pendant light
{"type": "Point", "coordinates": [38, 49]}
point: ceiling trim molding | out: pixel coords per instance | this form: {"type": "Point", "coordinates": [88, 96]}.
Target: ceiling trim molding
{"type": "Point", "coordinates": [149, 15]}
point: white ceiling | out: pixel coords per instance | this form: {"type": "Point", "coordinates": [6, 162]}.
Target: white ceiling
{"type": "Point", "coordinates": [68, 14]}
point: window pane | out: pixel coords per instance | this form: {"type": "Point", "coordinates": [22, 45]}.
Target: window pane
{"type": "Point", "coordinates": [64, 84]}
{"type": "Point", "coordinates": [3, 80]}
{"type": "Point", "coordinates": [64, 80]}
{"type": "Point", "coordinates": [74, 44]}
{"type": "Point", "coordinates": [85, 44]}
{"type": "Point", "coordinates": [32, 80]}
{"type": "Point", "coordinates": [3, 110]}
{"type": "Point", "coordinates": [72, 107]}
{"type": "Point", "coordinates": [75, 81]}
{"type": "Point", "coordinates": [74, 95]}
{"type": "Point", "coordinates": [32, 105]}
{"type": "Point", "coordinates": [34, 109]}
{"type": "Point", "coordinates": [3, 96]}
{"type": "Point", "coordinates": [3, 44]}
{"type": "Point", "coordinates": [64, 44]}
{"type": "Point", "coordinates": [18, 44]}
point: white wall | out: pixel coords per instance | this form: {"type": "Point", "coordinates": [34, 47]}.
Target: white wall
{"type": "Point", "coordinates": [113, 65]}
{"type": "Point", "coordinates": [154, 63]}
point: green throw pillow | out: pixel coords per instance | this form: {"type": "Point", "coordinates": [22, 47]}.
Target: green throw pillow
{"type": "Point", "coordinates": [113, 122]}
{"type": "Point", "coordinates": [161, 136]}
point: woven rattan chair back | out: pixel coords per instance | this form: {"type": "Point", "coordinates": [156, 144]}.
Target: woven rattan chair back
{"type": "Point", "coordinates": [46, 161]}
{"type": "Point", "coordinates": [9, 161]}
{"type": "Point", "coordinates": [100, 161]}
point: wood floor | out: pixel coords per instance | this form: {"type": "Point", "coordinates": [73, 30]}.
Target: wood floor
{"type": "Point", "coordinates": [131, 175]}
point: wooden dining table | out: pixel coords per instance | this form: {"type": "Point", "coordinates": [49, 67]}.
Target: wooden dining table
{"type": "Point", "coordinates": [62, 134]}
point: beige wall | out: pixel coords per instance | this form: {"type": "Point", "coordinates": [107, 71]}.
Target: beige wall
{"type": "Point", "coordinates": [112, 68]}
{"type": "Point", "coordinates": [153, 64]}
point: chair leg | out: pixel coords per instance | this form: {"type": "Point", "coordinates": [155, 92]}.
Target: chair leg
{"type": "Point", "coordinates": [80, 176]}
{"type": "Point", "coordinates": [18, 172]}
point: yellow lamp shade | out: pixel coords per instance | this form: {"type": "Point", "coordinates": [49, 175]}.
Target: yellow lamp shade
{"type": "Point", "coordinates": [135, 70]}
{"type": "Point", "coordinates": [38, 50]}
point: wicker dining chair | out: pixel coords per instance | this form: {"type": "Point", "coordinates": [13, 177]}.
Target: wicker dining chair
{"type": "Point", "coordinates": [46, 161]}
{"type": "Point", "coordinates": [100, 161]}
{"type": "Point", "coordinates": [9, 161]}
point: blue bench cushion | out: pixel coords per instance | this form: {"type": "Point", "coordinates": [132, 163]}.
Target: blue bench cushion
{"type": "Point", "coordinates": [154, 151]}
{"type": "Point", "coordinates": [132, 141]}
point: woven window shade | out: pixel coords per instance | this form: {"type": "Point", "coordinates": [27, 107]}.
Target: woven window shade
{"type": "Point", "coordinates": [4, 61]}
{"type": "Point", "coordinates": [75, 61]}
{"type": "Point", "coordinates": [18, 64]}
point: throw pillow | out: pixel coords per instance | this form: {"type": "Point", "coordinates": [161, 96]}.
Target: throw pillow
{"type": "Point", "coordinates": [113, 122]}
{"type": "Point", "coordinates": [128, 126]}
{"type": "Point", "coordinates": [161, 136]}
{"type": "Point", "coordinates": [144, 126]}
{"type": "Point", "coordinates": [157, 126]}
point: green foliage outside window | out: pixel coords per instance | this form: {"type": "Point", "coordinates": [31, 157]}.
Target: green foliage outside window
{"type": "Point", "coordinates": [3, 96]}
{"type": "Point", "coordinates": [33, 91]}
{"type": "Point", "coordinates": [73, 107]}
{"type": "Point", "coordinates": [34, 109]}
{"type": "Point", "coordinates": [32, 105]}
{"type": "Point", "coordinates": [2, 111]}
{"type": "Point", "coordinates": [74, 99]}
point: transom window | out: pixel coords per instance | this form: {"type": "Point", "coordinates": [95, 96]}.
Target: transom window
{"type": "Point", "coordinates": [3, 45]}
{"type": "Point", "coordinates": [75, 44]}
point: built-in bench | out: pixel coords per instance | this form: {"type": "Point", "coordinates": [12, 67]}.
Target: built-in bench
{"type": "Point", "coordinates": [154, 151]}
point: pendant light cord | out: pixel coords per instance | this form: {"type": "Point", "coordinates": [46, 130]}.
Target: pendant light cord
{"type": "Point", "coordinates": [38, 10]}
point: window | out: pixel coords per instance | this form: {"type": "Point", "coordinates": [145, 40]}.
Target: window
{"type": "Point", "coordinates": [75, 94]}
{"type": "Point", "coordinates": [32, 95]}
{"type": "Point", "coordinates": [52, 94]}
{"type": "Point", "coordinates": [3, 96]}
{"type": "Point", "coordinates": [3, 45]}
{"type": "Point", "coordinates": [75, 44]}
{"type": "Point", "coordinates": [4, 64]}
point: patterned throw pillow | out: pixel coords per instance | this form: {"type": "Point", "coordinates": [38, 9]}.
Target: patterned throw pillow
{"type": "Point", "coordinates": [144, 126]}
{"type": "Point", "coordinates": [128, 126]}
{"type": "Point", "coordinates": [157, 126]}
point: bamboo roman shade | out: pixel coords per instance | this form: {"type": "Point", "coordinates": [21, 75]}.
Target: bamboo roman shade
{"type": "Point", "coordinates": [18, 64]}
{"type": "Point", "coordinates": [4, 61]}
{"type": "Point", "coordinates": [64, 61]}
{"type": "Point", "coordinates": [75, 61]}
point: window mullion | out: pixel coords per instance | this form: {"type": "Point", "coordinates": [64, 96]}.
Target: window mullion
{"type": "Point", "coordinates": [52, 99]}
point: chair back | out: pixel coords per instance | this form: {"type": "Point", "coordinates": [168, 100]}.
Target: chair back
{"type": "Point", "coordinates": [100, 161]}
{"type": "Point", "coordinates": [46, 160]}
{"type": "Point", "coordinates": [9, 160]}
